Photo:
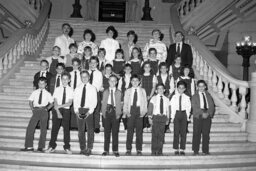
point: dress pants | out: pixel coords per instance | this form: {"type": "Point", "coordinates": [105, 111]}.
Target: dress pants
{"type": "Point", "coordinates": [111, 123]}
{"type": "Point", "coordinates": [96, 113]}
{"type": "Point", "coordinates": [201, 127]}
{"type": "Point", "coordinates": [158, 129]}
{"type": "Point", "coordinates": [39, 115]}
{"type": "Point", "coordinates": [56, 124]}
{"type": "Point", "coordinates": [90, 132]}
{"type": "Point", "coordinates": [73, 120]}
{"type": "Point", "coordinates": [134, 122]}
{"type": "Point", "coordinates": [180, 130]}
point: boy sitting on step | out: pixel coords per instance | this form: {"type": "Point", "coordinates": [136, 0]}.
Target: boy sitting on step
{"type": "Point", "coordinates": [40, 101]}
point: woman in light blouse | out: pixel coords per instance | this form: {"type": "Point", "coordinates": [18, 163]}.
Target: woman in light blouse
{"type": "Point", "coordinates": [89, 38]}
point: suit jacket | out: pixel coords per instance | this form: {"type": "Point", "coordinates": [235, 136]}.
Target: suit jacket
{"type": "Point", "coordinates": [127, 102]}
{"type": "Point", "coordinates": [117, 96]}
{"type": "Point", "coordinates": [37, 76]}
{"type": "Point", "coordinates": [52, 84]}
{"type": "Point", "coordinates": [186, 54]}
{"type": "Point", "coordinates": [196, 110]}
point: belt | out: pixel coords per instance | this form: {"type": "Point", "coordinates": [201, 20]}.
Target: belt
{"type": "Point", "coordinates": [180, 111]}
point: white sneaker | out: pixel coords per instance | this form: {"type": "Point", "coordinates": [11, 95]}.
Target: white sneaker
{"type": "Point", "coordinates": [50, 150]}
{"type": "Point", "coordinates": [68, 151]}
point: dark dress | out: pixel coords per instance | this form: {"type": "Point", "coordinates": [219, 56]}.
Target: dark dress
{"type": "Point", "coordinates": [154, 66]}
{"type": "Point", "coordinates": [85, 63]}
{"type": "Point", "coordinates": [166, 84]}
{"type": "Point", "coordinates": [175, 72]}
{"type": "Point", "coordinates": [53, 66]}
{"type": "Point", "coordinates": [118, 66]}
{"type": "Point", "coordinates": [136, 67]}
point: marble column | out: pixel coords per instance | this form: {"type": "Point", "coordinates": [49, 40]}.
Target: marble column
{"type": "Point", "coordinates": [251, 123]}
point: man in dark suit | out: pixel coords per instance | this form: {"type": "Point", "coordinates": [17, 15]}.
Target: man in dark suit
{"type": "Point", "coordinates": [44, 65]}
{"type": "Point", "coordinates": [56, 79]}
{"type": "Point", "coordinates": [203, 109]}
{"type": "Point", "coordinates": [179, 48]}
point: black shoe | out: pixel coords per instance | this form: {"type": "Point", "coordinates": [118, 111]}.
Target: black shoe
{"type": "Point", "coordinates": [196, 153]}
{"type": "Point", "coordinates": [176, 153]}
{"type": "Point", "coordinates": [139, 153]}
{"type": "Point", "coordinates": [88, 152]}
{"type": "Point", "coordinates": [105, 153]}
{"type": "Point", "coordinates": [154, 154]}
{"type": "Point", "coordinates": [182, 153]}
{"type": "Point", "coordinates": [160, 153]}
{"type": "Point", "coordinates": [40, 150]}
{"type": "Point", "coordinates": [27, 149]}
{"type": "Point", "coordinates": [97, 130]}
{"type": "Point", "coordinates": [73, 129]}
{"type": "Point", "coordinates": [82, 152]}
{"type": "Point", "coordinates": [116, 154]}
{"type": "Point", "coordinates": [128, 153]}
{"type": "Point", "coordinates": [205, 154]}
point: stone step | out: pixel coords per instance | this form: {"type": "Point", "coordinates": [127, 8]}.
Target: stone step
{"type": "Point", "coordinates": [14, 98]}
{"type": "Point", "coordinates": [215, 136]}
{"type": "Point", "coordinates": [168, 150]}
{"type": "Point", "coordinates": [13, 82]}
{"type": "Point", "coordinates": [17, 90]}
{"type": "Point", "coordinates": [138, 162]}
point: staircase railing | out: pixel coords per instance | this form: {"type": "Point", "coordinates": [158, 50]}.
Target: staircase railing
{"type": "Point", "coordinates": [228, 92]}
{"type": "Point", "coordinates": [26, 41]}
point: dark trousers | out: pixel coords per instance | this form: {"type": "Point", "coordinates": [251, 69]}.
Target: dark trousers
{"type": "Point", "coordinates": [180, 130]}
{"type": "Point", "coordinates": [111, 123]}
{"type": "Point", "coordinates": [73, 120]}
{"type": "Point", "coordinates": [56, 124]}
{"type": "Point", "coordinates": [158, 129]}
{"type": "Point", "coordinates": [96, 113]}
{"type": "Point", "coordinates": [90, 132]}
{"type": "Point", "coordinates": [39, 115]}
{"type": "Point", "coordinates": [134, 122]}
{"type": "Point", "coordinates": [201, 127]}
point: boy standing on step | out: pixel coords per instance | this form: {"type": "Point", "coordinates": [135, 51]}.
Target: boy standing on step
{"type": "Point", "coordinates": [158, 111]}
{"type": "Point", "coordinates": [56, 79]}
{"type": "Point", "coordinates": [40, 101]}
{"type": "Point", "coordinates": [203, 109]}
{"type": "Point", "coordinates": [111, 112]}
{"type": "Point", "coordinates": [135, 107]}
{"type": "Point", "coordinates": [63, 97]}
{"type": "Point", "coordinates": [85, 102]}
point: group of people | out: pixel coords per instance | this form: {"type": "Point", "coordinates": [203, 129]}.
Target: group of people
{"type": "Point", "coordinates": [145, 89]}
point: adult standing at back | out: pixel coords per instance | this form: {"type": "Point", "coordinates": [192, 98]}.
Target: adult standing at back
{"type": "Point", "coordinates": [156, 42]}
{"type": "Point", "coordinates": [129, 44]}
{"type": "Point", "coordinates": [110, 44]}
{"type": "Point", "coordinates": [179, 48]}
{"type": "Point", "coordinates": [89, 38]}
{"type": "Point", "coordinates": [63, 41]}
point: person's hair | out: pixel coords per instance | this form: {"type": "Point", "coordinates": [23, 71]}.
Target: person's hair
{"type": "Point", "coordinates": [94, 58]}
{"type": "Point", "coordinates": [135, 76]}
{"type": "Point", "coordinates": [66, 24]}
{"type": "Point", "coordinates": [76, 60]}
{"type": "Point", "coordinates": [147, 63]}
{"type": "Point", "coordinates": [84, 72]}
{"type": "Point", "coordinates": [119, 51]}
{"type": "Point", "coordinates": [161, 35]}
{"type": "Point", "coordinates": [56, 47]}
{"type": "Point", "coordinates": [191, 71]}
{"type": "Point", "coordinates": [89, 31]}
{"type": "Point", "coordinates": [139, 55]}
{"type": "Point", "coordinates": [161, 65]}
{"type": "Point", "coordinates": [44, 61]}
{"type": "Point", "coordinates": [160, 84]}
{"type": "Point", "coordinates": [108, 66]}
{"type": "Point", "coordinates": [43, 79]}
{"type": "Point", "coordinates": [72, 45]}
{"type": "Point", "coordinates": [114, 76]}
{"type": "Point", "coordinates": [66, 74]}
{"type": "Point", "coordinates": [181, 82]}
{"type": "Point", "coordinates": [61, 65]}
{"type": "Point", "coordinates": [152, 49]}
{"type": "Point", "coordinates": [132, 32]}
{"type": "Point", "coordinates": [180, 32]}
{"type": "Point", "coordinates": [87, 48]}
{"type": "Point", "coordinates": [71, 29]}
{"type": "Point", "coordinates": [112, 28]}
{"type": "Point", "coordinates": [102, 50]}
{"type": "Point", "coordinates": [202, 82]}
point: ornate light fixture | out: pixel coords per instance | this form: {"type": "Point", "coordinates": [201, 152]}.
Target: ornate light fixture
{"type": "Point", "coordinates": [246, 48]}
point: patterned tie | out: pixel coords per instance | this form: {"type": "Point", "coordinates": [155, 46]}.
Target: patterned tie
{"type": "Point", "coordinates": [58, 82]}
{"type": "Point", "coordinates": [135, 97]}
{"type": "Point", "coordinates": [40, 97]}
{"type": "Point", "coordinates": [75, 80]}
{"type": "Point", "coordinates": [83, 97]}
{"type": "Point", "coordinates": [64, 96]}
{"type": "Point", "coordinates": [161, 105]}
{"type": "Point", "coordinates": [112, 98]}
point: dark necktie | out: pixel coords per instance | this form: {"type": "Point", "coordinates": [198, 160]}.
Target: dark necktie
{"type": "Point", "coordinates": [161, 105]}
{"type": "Point", "coordinates": [91, 77]}
{"type": "Point", "coordinates": [178, 49]}
{"type": "Point", "coordinates": [75, 80]}
{"type": "Point", "coordinates": [64, 96]}
{"type": "Point", "coordinates": [180, 103]}
{"type": "Point", "coordinates": [42, 74]}
{"type": "Point", "coordinates": [83, 96]}
{"type": "Point", "coordinates": [135, 97]}
{"type": "Point", "coordinates": [205, 103]}
{"type": "Point", "coordinates": [112, 98]}
{"type": "Point", "coordinates": [40, 97]}
{"type": "Point", "coordinates": [58, 82]}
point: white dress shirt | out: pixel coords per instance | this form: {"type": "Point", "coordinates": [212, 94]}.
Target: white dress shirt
{"type": "Point", "coordinates": [155, 100]}
{"type": "Point", "coordinates": [43, 73]}
{"type": "Point", "coordinates": [138, 97]}
{"type": "Point", "coordinates": [202, 100]}
{"type": "Point", "coordinates": [110, 45]}
{"type": "Point", "coordinates": [109, 97]}
{"type": "Point", "coordinates": [63, 42]}
{"type": "Point", "coordinates": [78, 80]}
{"type": "Point", "coordinates": [97, 79]}
{"type": "Point", "coordinates": [46, 98]}
{"type": "Point", "coordinates": [90, 97]}
{"type": "Point", "coordinates": [180, 43]}
{"type": "Point", "coordinates": [185, 104]}
{"type": "Point", "coordinates": [58, 95]}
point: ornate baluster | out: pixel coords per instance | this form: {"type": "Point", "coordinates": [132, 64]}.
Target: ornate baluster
{"type": "Point", "coordinates": [19, 50]}
{"type": "Point", "coordinates": [214, 82]}
{"type": "Point", "coordinates": [22, 45]}
{"type": "Point", "coordinates": [201, 66]}
{"type": "Point", "coordinates": [242, 112]}
{"type": "Point", "coordinates": [197, 61]}
{"type": "Point", "coordinates": [181, 9]}
{"type": "Point", "coordinates": [192, 5]}
{"type": "Point", "coordinates": [187, 7]}
{"type": "Point", "coordinates": [210, 77]}
{"type": "Point", "coordinates": [184, 8]}
{"type": "Point", "coordinates": [194, 56]}
{"type": "Point", "coordinates": [226, 92]}
{"type": "Point", "coordinates": [220, 87]}
{"type": "Point", "coordinates": [1, 68]}
{"type": "Point", "coordinates": [10, 59]}
{"type": "Point", "coordinates": [5, 63]}
{"type": "Point", "coordinates": [195, 3]}
{"type": "Point", "coordinates": [205, 71]}
{"type": "Point", "coordinates": [14, 54]}
{"type": "Point", "coordinates": [233, 97]}
{"type": "Point", "coordinates": [35, 5]}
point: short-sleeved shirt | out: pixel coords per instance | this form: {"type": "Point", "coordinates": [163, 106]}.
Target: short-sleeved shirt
{"type": "Point", "coordinates": [58, 95]}
{"type": "Point", "coordinates": [46, 98]}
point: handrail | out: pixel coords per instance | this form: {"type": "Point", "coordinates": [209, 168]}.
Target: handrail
{"type": "Point", "coordinates": [24, 41]}
{"type": "Point", "coordinates": [223, 85]}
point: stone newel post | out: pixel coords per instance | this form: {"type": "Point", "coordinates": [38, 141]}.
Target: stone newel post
{"type": "Point", "coordinates": [251, 123]}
